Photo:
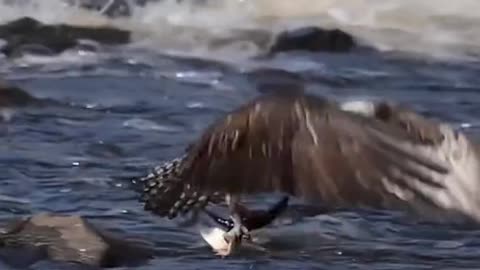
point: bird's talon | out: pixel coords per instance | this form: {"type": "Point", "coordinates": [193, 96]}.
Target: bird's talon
{"type": "Point", "coordinates": [244, 230]}
{"type": "Point", "coordinates": [227, 237]}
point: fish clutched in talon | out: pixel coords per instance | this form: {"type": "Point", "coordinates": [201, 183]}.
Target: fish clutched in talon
{"type": "Point", "coordinates": [224, 243]}
{"type": "Point", "coordinates": [214, 236]}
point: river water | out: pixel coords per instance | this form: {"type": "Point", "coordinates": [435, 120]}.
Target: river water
{"type": "Point", "coordinates": [122, 110]}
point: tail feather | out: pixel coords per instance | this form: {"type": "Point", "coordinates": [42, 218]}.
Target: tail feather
{"type": "Point", "coordinates": [165, 194]}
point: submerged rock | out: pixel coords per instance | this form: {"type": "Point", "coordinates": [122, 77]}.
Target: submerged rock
{"type": "Point", "coordinates": [12, 96]}
{"type": "Point", "coordinates": [272, 80]}
{"type": "Point", "coordinates": [54, 38]}
{"type": "Point", "coordinates": [67, 239]}
{"type": "Point", "coordinates": [313, 39]}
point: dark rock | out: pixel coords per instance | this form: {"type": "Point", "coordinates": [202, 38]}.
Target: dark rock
{"type": "Point", "coordinates": [12, 96]}
{"type": "Point", "coordinates": [272, 80]}
{"type": "Point", "coordinates": [55, 38]}
{"type": "Point", "coordinates": [313, 39]}
{"type": "Point", "coordinates": [68, 239]}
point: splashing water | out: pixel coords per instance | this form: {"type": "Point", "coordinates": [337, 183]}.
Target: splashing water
{"type": "Point", "coordinates": [435, 28]}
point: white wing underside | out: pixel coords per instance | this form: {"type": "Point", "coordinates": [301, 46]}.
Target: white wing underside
{"type": "Point", "coordinates": [459, 193]}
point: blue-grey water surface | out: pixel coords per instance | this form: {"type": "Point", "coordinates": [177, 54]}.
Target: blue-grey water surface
{"type": "Point", "coordinates": [121, 114]}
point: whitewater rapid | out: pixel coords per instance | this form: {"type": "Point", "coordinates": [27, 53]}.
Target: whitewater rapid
{"type": "Point", "coordinates": [431, 28]}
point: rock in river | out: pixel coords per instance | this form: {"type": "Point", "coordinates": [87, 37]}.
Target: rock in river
{"type": "Point", "coordinates": [313, 39]}
{"type": "Point", "coordinates": [54, 38]}
{"type": "Point", "coordinates": [13, 96]}
{"type": "Point", "coordinates": [67, 239]}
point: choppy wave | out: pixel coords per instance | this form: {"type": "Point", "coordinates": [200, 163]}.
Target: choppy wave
{"type": "Point", "coordinates": [438, 28]}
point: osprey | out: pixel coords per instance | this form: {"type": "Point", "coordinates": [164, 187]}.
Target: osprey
{"type": "Point", "coordinates": [364, 154]}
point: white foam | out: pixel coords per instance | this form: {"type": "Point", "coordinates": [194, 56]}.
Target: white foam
{"type": "Point", "coordinates": [439, 28]}
{"type": "Point", "coordinates": [147, 125]}
{"type": "Point", "coordinates": [50, 11]}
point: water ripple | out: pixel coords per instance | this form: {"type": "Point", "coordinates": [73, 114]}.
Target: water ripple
{"type": "Point", "coordinates": [114, 121]}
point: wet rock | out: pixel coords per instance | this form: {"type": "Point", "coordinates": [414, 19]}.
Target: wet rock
{"type": "Point", "coordinates": [67, 239]}
{"type": "Point", "coordinates": [54, 38]}
{"type": "Point", "coordinates": [272, 80]}
{"type": "Point", "coordinates": [12, 96]}
{"type": "Point", "coordinates": [313, 39]}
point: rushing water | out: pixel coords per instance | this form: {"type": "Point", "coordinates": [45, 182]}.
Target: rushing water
{"type": "Point", "coordinates": [123, 110]}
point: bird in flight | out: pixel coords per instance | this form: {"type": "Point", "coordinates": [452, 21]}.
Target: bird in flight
{"type": "Point", "coordinates": [367, 154]}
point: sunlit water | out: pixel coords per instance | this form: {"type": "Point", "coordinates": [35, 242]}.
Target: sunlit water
{"type": "Point", "coordinates": [122, 110]}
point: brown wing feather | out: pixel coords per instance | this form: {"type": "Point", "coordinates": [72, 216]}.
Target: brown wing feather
{"type": "Point", "coordinates": [426, 131]}
{"type": "Point", "coordinates": [346, 164]}
{"type": "Point", "coordinates": [305, 146]}
{"type": "Point", "coordinates": [247, 151]}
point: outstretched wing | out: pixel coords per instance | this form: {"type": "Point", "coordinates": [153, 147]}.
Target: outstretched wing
{"type": "Point", "coordinates": [310, 148]}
